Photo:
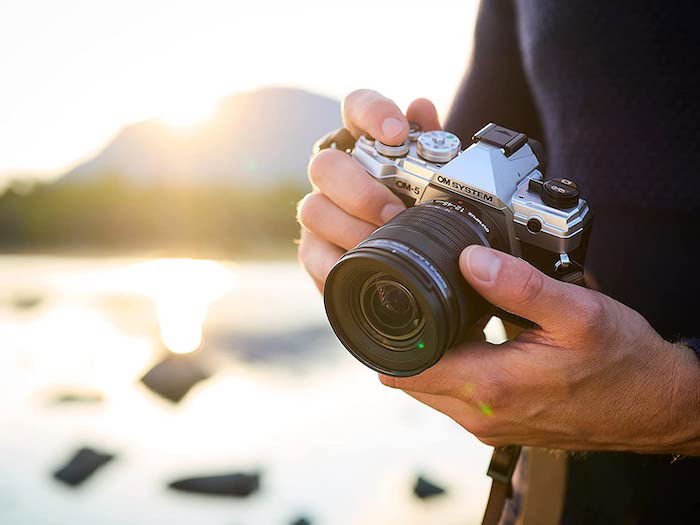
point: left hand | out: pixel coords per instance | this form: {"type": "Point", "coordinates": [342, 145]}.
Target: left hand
{"type": "Point", "coordinates": [594, 376]}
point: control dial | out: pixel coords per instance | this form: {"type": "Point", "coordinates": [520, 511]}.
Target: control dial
{"type": "Point", "coordinates": [560, 193]}
{"type": "Point", "coordinates": [392, 151]}
{"type": "Point", "coordinates": [438, 146]}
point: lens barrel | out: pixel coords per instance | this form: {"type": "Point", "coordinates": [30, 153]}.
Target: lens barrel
{"type": "Point", "coordinates": [398, 301]}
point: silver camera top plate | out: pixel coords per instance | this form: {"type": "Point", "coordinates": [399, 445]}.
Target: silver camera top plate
{"type": "Point", "coordinates": [485, 174]}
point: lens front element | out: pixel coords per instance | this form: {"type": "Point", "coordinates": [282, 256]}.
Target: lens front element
{"type": "Point", "coordinates": [390, 313]}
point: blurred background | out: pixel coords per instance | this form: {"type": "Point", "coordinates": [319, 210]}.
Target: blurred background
{"type": "Point", "coordinates": [155, 328]}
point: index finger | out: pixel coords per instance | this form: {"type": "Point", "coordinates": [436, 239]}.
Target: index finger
{"type": "Point", "coordinates": [366, 111]}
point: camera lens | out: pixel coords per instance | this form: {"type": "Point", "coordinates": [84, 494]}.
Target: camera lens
{"type": "Point", "coordinates": [390, 313]}
{"type": "Point", "coordinates": [398, 301]}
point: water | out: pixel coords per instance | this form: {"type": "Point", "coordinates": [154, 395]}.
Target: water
{"type": "Point", "coordinates": [332, 442]}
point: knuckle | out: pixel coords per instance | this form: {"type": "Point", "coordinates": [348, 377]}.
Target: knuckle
{"type": "Point", "coordinates": [375, 109]}
{"type": "Point", "coordinates": [356, 95]}
{"type": "Point", "coordinates": [367, 200]}
{"type": "Point", "coordinates": [353, 102]}
{"type": "Point", "coordinates": [591, 312]}
{"type": "Point", "coordinates": [531, 286]}
{"type": "Point", "coordinates": [307, 211]}
{"type": "Point", "coordinates": [322, 164]}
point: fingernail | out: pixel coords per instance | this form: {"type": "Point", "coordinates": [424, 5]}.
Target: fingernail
{"type": "Point", "coordinates": [390, 211]}
{"type": "Point", "coordinates": [483, 263]}
{"type": "Point", "coordinates": [391, 127]}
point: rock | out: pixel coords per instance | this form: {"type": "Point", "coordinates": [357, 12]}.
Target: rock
{"type": "Point", "coordinates": [81, 466]}
{"type": "Point", "coordinates": [174, 376]}
{"type": "Point", "coordinates": [26, 301]}
{"type": "Point", "coordinates": [77, 396]}
{"type": "Point", "coordinates": [238, 484]}
{"type": "Point", "coordinates": [302, 520]}
{"type": "Point", "coordinates": [424, 489]}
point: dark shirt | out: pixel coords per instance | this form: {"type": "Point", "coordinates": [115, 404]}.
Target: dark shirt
{"type": "Point", "coordinates": [613, 91]}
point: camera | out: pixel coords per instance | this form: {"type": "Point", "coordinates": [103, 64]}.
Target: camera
{"type": "Point", "coordinates": [397, 301]}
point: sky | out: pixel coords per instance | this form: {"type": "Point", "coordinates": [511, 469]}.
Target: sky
{"type": "Point", "coordinates": [75, 72]}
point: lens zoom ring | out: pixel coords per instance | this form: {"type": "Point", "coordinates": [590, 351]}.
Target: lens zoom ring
{"type": "Point", "coordinates": [446, 226]}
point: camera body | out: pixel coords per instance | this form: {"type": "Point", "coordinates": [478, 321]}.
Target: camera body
{"type": "Point", "coordinates": [499, 175]}
{"type": "Point", "coordinates": [398, 301]}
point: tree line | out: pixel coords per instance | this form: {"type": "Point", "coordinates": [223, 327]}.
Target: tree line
{"type": "Point", "coordinates": [112, 213]}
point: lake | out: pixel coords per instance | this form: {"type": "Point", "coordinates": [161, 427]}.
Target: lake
{"type": "Point", "coordinates": [283, 398]}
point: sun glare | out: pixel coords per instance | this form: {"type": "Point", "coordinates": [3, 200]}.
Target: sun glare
{"type": "Point", "coordinates": [183, 290]}
{"type": "Point", "coordinates": [188, 113]}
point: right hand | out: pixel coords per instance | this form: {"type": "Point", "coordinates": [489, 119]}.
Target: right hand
{"type": "Point", "coordinates": [346, 204]}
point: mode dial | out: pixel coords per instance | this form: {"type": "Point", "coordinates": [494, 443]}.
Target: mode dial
{"type": "Point", "coordinates": [438, 146]}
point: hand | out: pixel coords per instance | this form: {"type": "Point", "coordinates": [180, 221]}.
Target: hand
{"type": "Point", "coordinates": [347, 204]}
{"type": "Point", "coordinates": [595, 376]}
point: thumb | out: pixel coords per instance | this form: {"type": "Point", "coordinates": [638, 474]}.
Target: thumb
{"type": "Point", "coordinates": [517, 287]}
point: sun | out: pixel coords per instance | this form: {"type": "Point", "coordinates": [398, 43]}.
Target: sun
{"type": "Point", "coordinates": [187, 113]}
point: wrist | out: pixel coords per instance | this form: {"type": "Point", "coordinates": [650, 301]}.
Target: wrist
{"type": "Point", "coordinates": [684, 423]}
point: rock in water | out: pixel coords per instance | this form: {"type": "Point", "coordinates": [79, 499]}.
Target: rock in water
{"type": "Point", "coordinates": [25, 301]}
{"type": "Point", "coordinates": [81, 466]}
{"type": "Point", "coordinates": [301, 521]}
{"type": "Point", "coordinates": [174, 376]}
{"type": "Point", "coordinates": [425, 489]}
{"type": "Point", "coordinates": [239, 484]}
{"type": "Point", "coordinates": [77, 397]}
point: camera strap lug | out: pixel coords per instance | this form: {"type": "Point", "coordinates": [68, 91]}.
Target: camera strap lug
{"type": "Point", "coordinates": [501, 469]}
{"type": "Point", "coordinates": [340, 139]}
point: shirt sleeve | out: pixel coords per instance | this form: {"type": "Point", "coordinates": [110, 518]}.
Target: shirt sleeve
{"type": "Point", "coordinates": [495, 87]}
{"type": "Point", "coordinates": [694, 344]}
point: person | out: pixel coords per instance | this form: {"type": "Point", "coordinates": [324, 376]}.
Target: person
{"type": "Point", "coordinates": [612, 90]}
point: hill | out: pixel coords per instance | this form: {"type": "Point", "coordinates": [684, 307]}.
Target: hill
{"type": "Point", "coordinates": [229, 186]}
{"type": "Point", "coordinates": [256, 138]}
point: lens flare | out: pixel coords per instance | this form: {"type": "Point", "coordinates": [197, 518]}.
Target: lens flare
{"type": "Point", "coordinates": [485, 409]}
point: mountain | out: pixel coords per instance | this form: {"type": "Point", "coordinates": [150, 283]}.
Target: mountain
{"type": "Point", "coordinates": [255, 138]}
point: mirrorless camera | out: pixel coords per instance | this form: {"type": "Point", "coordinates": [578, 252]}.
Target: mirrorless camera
{"type": "Point", "coordinates": [397, 301]}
